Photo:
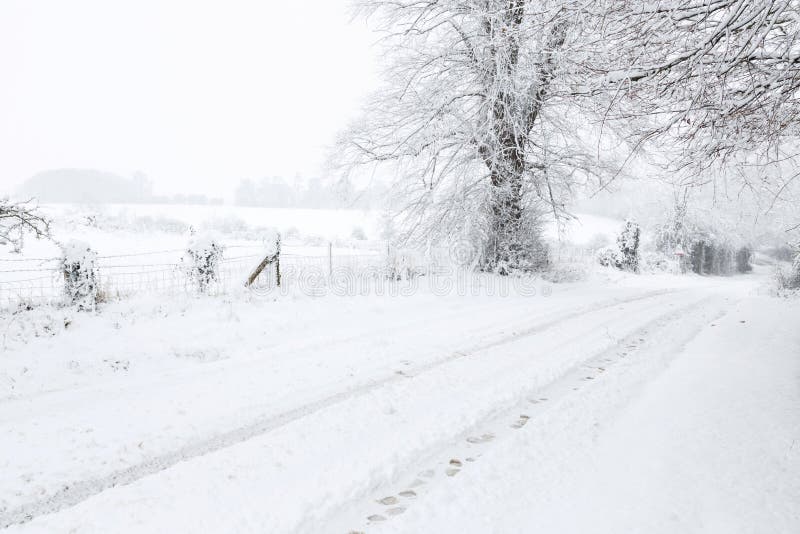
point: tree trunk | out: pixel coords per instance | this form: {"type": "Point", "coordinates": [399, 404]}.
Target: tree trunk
{"type": "Point", "coordinates": [506, 243]}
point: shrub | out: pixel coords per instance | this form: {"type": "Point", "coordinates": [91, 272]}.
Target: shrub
{"type": "Point", "coordinates": [656, 262]}
{"type": "Point", "coordinates": [626, 256]}
{"type": "Point", "coordinates": [203, 255]}
{"type": "Point", "coordinates": [404, 264]}
{"type": "Point", "coordinates": [792, 279]}
{"type": "Point", "coordinates": [609, 257]}
{"type": "Point", "coordinates": [79, 265]}
{"type": "Point", "coordinates": [628, 242]}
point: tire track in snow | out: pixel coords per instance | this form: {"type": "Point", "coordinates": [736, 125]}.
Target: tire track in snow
{"type": "Point", "coordinates": [448, 458]}
{"type": "Point", "coordinates": [305, 348]}
{"type": "Point", "coordinates": [76, 492]}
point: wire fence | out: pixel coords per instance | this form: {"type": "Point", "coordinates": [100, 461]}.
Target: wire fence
{"type": "Point", "coordinates": [313, 269]}
{"type": "Point", "coordinates": [28, 282]}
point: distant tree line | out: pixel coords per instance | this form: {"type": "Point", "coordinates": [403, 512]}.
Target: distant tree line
{"type": "Point", "coordinates": [277, 192]}
{"type": "Point", "coordinates": [88, 186]}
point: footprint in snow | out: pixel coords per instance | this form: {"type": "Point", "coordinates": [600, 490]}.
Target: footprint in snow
{"type": "Point", "coordinates": [455, 467]}
{"type": "Point", "coordinates": [396, 511]}
{"type": "Point", "coordinates": [408, 494]}
{"type": "Point", "coordinates": [386, 501]}
{"type": "Point", "coordinates": [376, 517]}
{"type": "Point", "coordinates": [522, 421]}
{"type": "Point", "coordinates": [480, 439]}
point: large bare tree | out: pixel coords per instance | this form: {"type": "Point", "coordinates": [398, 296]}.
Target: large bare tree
{"type": "Point", "coordinates": [478, 115]}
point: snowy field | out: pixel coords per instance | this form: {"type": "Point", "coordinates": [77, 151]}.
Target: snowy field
{"type": "Point", "coordinates": [620, 403]}
{"type": "Point", "coordinates": [141, 248]}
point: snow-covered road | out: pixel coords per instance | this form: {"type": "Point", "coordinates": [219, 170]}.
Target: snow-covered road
{"type": "Point", "coordinates": [602, 407]}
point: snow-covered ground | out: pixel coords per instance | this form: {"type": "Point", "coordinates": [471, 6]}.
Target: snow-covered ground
{"type": "Point", "coordinates": [650, 403]}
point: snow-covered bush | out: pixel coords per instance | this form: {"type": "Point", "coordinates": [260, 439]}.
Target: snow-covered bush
{"type": "Point", "coordinates": [656, 262]}
{"type": "Point", "coordinates": [791, 280]}
{"type": "Point", "coordinates": [626, 254]}
{"type": "Point", "coordinates": [79, 265]}
{"type": "Point", "coordinates": [203, 258]}
{"type": "Point", "coordinates": [628, 242]}
{"type": "Point", "coordinates": [564, 273]}
{"type": "Point", "coordinates": [609, 257]}
{"type": "Point", "coordinates": [404, 264]}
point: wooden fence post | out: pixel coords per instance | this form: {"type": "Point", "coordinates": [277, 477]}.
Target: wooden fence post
{"type": "Point", "coordinates": [270, 258]}
{"type": "Point", "coordinates": [278, 260]}
{"type": "Point", "coordinates": [330, 259]}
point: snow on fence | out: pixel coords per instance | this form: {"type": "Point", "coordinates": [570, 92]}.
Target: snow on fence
{"type": "Point", "coordinates": [313, 270]}
{"type": "Point", "coordinates": [37, 281]}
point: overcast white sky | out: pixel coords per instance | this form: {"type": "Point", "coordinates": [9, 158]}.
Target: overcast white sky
{"type": "Point", "coordinates": [195, 93]}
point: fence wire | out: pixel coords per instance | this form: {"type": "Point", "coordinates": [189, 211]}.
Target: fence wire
{"type": "Point", "coordinates": [27, 282]}
{"type": "Point", "coordinates": [315, 270]}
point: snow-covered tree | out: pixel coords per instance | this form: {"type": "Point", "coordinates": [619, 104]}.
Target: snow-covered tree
{"type": "Point", "coordinates": [480, 118]}
{"type": "Point", "coordinates": [672, 235]}
{"type": "Point", "coordinates": [628, 243]}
